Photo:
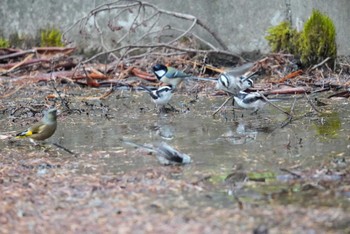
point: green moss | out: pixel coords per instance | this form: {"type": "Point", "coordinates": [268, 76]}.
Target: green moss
{"type": "Point", "coordinates": [318, 39]}
{"type": "Point", "coordinates": [283, 38]}
{"type": "Point", "coordinates": [330, 126]}
{"type": "Point", "coordinates": [51, 37]}
{"type": "Point", "coordinates": [4, 43]}
{"type": "Point", "coordinates": [316, 42]}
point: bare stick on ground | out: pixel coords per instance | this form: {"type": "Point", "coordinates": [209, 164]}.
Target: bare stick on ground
{"type": "Point", "coordinates": [63, 148]}
{"type": "Point", "coordinates": [222, 105]}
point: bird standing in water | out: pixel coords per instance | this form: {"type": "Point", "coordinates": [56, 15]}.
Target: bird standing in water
{"type": "Point", "coordinates": [160, 96]}
{"type": "Point", "coordinates": [43, 129]}
{"type": "Point", "coordinates": [253, 100]}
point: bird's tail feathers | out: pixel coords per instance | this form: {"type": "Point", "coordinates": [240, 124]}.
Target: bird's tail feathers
{"type": "Point", "coordinates": [133, 144]}
{"type": "Point", "coordinates": [145, 88]}
{"type": "Point", "coordinates": [149, 90]}
{"type": "Point", "coordinates": [250, 76]}
{"type": "Point", "coordinates": [24, 134]}
{"type": "Point", "coordinates": [202, 78]}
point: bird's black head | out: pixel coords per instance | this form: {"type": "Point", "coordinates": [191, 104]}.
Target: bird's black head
{"type": "Point", "coordinates": [167, 88]}
{"type": "Point", "coordinates": [159, 70]}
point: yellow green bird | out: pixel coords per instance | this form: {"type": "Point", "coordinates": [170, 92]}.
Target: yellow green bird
{"type": "Point", "coordinates": [43, 129]}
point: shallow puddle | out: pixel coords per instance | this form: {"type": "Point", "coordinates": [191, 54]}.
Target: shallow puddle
{"type": "Point", "coordinates": [255, 143]}
{"type": "Point", "coordinates": [298, 172]}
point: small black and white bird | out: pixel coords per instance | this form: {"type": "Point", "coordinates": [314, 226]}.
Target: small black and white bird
{"type": "Point", "coordinates": [236, 80]}
{"type": "Point", "coordinates": [233, 84]}
{"type": "Point", "coordinates": [160, 96]}
{"type": "Point", "coordinates": [169, 75]}
{"type": "Point", "coordinates": [253, 100]}
{"type": "Point", "coordinates": [165, 154]}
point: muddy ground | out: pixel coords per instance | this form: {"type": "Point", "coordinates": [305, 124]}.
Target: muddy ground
{"type": "Point", "coordinates": [107, 187]}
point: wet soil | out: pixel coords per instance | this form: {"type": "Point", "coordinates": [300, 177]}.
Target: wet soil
{"type": "Point", "coordinates": [249, 175]}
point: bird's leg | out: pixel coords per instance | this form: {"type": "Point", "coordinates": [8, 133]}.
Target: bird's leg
{"type": "Point", "coordinates": [33, 142]}
{"type": "Point", "coordinates": [173, 108]}
{"type": "Point", "coordinates": [255, 112]}
{"type": "Point", "coordinates": [162, 109]}
{"type": "Point", "coordinates": [233, 109]}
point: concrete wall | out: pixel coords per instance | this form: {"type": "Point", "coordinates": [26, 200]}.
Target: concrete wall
{"type": "Point", "coordinates": [241, 24]}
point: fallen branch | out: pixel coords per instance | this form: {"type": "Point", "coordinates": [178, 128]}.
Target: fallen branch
{"type": "Point", "coordinates": [17, 54]}
{"type": "Point", "coordinates": [102, 97]}
{"type": "Point", "coordinates": [296, 90]}
{"type": "Point", "coordinates": [277, 107]}
{"type": "Point", "coordinates": [291, 116]}
{"type": "Point", "coordinates": [159, 45]}
{"type": "Point", "coordinates": [89, 81]}
{"type": "Point", "coordinates": [64, 148]}
{"type": "Point", "coordinates": [291, 76]}
{"type": "Point", "coordinates": [143, 75]}
{"type": "Point", "coordinates": [320, 64]}
{"type": "Point", "coordinates": [25, 62]}
{"type": "Point", "coordinates": [311, 103]}
{"type": "Point", "coordinates": [63, 50]}
{"type": "Point", "coordinates": [73, 75]}
{"type": "Point", "coordinates": [222, 105]}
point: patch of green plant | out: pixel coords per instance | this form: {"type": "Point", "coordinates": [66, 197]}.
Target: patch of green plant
{"type": "Point", "coordinates": [330, 126]}
{"type": "Point", "coordinates": [51, 37]}
{"type": "Point", "coordinates": [4, 43]}
{"type": "Point", "coordinates": [283, 38]}
{"type": "Point", "coordinates": [318, 39]}
{"type": "Point", "coordinates": [313, 44]}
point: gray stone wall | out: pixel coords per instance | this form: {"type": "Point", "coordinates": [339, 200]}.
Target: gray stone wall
{"type": "Point", "coordinates": [241, 24]}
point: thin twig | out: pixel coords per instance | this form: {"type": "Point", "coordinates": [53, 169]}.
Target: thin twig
{"type": "Point", "coordinates": [18, 54]}
{"type": "Point", "coordinates": [159, 45]}
{"type": "Point", "coordinates": [320, 64]}
{"type": "Point", "coordinates": [290, 117]}
{"type": "Point", "coordinates": [64, 102]}
{"type": "Point", "coordinates": [277, 107]}
{"type": "Point", "coordinates": [290, 172]}
{"type": "Point", "coordinates": [311, 103]}
{"type": "Point", "coordinates": [144, 14]}
{"type": "Point", "coordinates": [64, 148]}
{"type": "Point", "coordinates": [222, 105]}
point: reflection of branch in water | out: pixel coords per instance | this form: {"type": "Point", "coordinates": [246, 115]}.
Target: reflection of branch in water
{"type": "Point", "coordinates": [311, 103]}
{"type": "Point", "coordinates": [290, 117]}
{"type": "Point", "coordinates": [275, 106]}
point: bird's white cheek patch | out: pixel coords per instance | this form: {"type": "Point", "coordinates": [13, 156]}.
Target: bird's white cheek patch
{"type": "Point", "coordinates": [160, 73]}
{"type": "Point", "coordinates": [224, 81]}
